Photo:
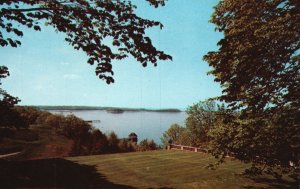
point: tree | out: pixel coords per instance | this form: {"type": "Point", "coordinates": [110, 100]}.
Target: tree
{"type": "Point", "coordinates": [98, 143]}
{"type": "Point", "coordinates": [75, 128]}
{"type": "Point", "coordinates": [258, 67]}
{"type": "Point", "coordinates": [264, 143]}
{"type": "Point", "coordinates": [30, 114]}
{"type": "Point", "coordinates": [173, 135]}
{"type": "Point", "coordinates": [126, 145]}
{"type": "Point", "coordinates": [87, 25]}
{"type": "Point", "coordinates": [147, 145]}
{"type": "Point", "coordinates": [257, 63]}
{"type": "Point", "coordinates": [54, 121]}
{"type": "Point", "coordinates": [5, 98]}
{"type": "Point", "coordinates": [113, 142]}
{"type": "Point", "coordinates": [200, 119]}
{"type": "Point", "coordinates": [9, 117]}
{"type": "Point", "coordinates": [42, 117]}
{"type": "Point", "coordinates": [79, 131]}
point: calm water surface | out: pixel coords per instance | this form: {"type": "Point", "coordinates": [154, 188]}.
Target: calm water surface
{"type": "Point", "coordinates": [149, 125]}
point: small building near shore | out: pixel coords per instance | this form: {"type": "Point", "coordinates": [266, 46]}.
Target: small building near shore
{"type": "Point", "coordinates": [133, 138]}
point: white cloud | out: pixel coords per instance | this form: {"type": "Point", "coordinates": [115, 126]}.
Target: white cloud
{"type": "Point", "coordinates": [71, 76]}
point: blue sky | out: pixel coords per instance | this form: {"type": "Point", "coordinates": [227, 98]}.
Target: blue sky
{"type": "Point", "coordinates": [45, 70]}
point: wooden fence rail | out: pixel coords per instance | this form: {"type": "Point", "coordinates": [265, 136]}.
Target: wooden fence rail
{"type": "Point", "coordinates": [187, 148]}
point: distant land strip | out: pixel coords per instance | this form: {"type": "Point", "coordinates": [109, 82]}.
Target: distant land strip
{"type": "Point", "coordinates": [104, 108]}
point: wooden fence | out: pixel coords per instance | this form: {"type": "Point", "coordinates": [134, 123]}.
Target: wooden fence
{"type": "Point", "coordinates": [187, 148]}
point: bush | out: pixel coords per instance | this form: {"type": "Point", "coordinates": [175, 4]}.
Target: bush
{"type": "Point", "coordinates": [30, 114]}
{"type": "Point", "coordinates": [54, 121]}
{"type": "Point", "coordinates": [126, 146]}
{"type": "Point", "coordinates": [9, 117]}
{"type": "Point", "coordinates": [113, 142]}
{"type": "Point", "coordinates": [79, 131]}
{"type": "Point", "coordinates": [98, 142]}
{"type": "Point", "coordinates": [147, 145]}
{"type": "Point", "coordinates": [41, 119]}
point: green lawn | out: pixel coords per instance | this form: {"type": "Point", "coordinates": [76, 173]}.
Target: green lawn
{"type": "Point", "coordinates": [156, 169]}
{"type": "Point", "coordinates": [172, 169]}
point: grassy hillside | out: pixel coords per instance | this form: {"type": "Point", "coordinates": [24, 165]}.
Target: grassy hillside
{"type": "Point", "coordinates": [38, 142]}
{"type": "Point", "coordinates": [156, 169]}
{"type": "Point", "coordinates": [173, 169]}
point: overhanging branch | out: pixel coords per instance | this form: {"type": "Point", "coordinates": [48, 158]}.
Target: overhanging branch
{"type": "Point", "coordinates": [29, 9]}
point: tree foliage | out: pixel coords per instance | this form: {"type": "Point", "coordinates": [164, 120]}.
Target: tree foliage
{"type": "Point", "coordinates": [29, 114]}
{"type": "Point", "coordinates": [9, 117]}
{"type": "Point", "coordinates": [257, 65]}
{"type": "Point", "coordinates": [125, 145]}
{"type": "Point", "coordinates": [87, 25]}
{"type": "Point", "coordinates": [200, 119]}
{"type": "Point", "coordinates": [266, 143]}
{"type": "Point", "coordinates": [98, 142]}
{"type": "Point", "coordinates": [147, 145]}
{"type": "Point", "coordinates": [6, 100]}
{"type": "Point", "coordinates": [173, 135]}
{"type": "Point", "coordinates": [113, 142]}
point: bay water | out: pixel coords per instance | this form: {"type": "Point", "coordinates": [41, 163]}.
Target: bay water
{"type": "Point", "coordinates": [146, 124]}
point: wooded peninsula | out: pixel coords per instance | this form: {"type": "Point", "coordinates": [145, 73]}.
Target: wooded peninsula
{"type": "Point", "coordinates": [77, 108]}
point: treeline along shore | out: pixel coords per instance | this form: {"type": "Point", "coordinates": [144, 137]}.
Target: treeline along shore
{"type": "Point", "coordinates": [78, 108]}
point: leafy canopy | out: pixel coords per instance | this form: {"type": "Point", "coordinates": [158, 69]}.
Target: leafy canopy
{"type": "Point", "coordinates": [173, 135]}
{"type": "Point", "coordinates": [9, 117]}
{"type": "Point", "coordinates": [258, 66]}
{"type": "Point", "coordinates": [200, 119]}
{"type": "Point", "coordinates": [86, 23]}
{"type": "Point", "coordinates": [257, 63]}
{"type": "Point", "coordinates": [6, 100]}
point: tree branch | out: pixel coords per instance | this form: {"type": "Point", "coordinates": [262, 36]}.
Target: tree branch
{"type": "Point", "coordinates": [29, 9]}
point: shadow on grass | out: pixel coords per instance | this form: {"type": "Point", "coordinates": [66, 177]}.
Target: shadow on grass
{"type": "Point", "coordinates": [52, 173]}
{"type": "Point", "coordinates": [276, 183]}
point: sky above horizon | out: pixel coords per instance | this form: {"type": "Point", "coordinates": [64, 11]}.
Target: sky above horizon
{"type": "Point", "coordinates": [45, 70]}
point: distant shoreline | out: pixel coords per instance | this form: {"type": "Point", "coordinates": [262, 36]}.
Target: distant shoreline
{"type": "Point", "coordinates": [78, 108]}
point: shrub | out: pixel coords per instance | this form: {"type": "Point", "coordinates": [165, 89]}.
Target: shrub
{"type": "Point", "coordinates": [98, 142]}
{"type": "Point", "coordinates": [147, 145]}
{"type": "Point", "coordinates": [30, 114]}
{"type": "Point", "coordinates": [126, 145]}
{"type": "Point", "coordinates": [113, 142]}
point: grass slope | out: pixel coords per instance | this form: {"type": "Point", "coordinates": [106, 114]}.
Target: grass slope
{"type": "Point", "coordinates": [173, 169]}
{"type": "Point", "coordinates": [48, 144]}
